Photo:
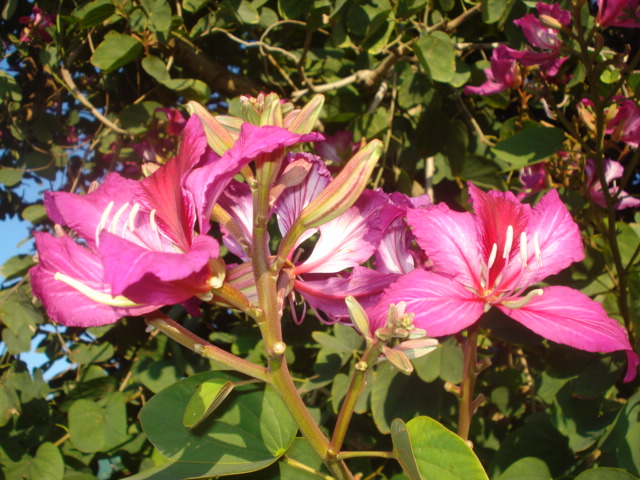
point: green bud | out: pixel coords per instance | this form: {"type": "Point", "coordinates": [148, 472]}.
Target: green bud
{"type": "Point", "coordinates": [218, 137]}
{"type": "Point", "coordinates": [359, 317]}
{"type": "Point", "coordinates": [302, 121]}
{"type": "Point", "coordinates": [398, 359]}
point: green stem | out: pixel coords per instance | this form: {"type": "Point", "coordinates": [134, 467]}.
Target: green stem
{"type": "Point", "coordinates": [353, 393]}
{"type": "Point", "coordinates": [193, 342]}
{"type": "Point", "coordinates": [469, 375]}
{"type": "Point", "coordinates": [347, 455]}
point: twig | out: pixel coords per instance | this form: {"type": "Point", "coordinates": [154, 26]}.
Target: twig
{"type": "Point", "coordinates": [66, 76]}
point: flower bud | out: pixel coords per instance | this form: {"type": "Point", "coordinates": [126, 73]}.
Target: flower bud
{"type": "Point", "coordinates": [417, 348]}
{"type": "Point", "coordinates": [303, 121]}
{"type": "Point", "coordinates": [550, 22]}
{"type": "Point", "coordinates": [398, 359]}
{"type": "Point", "coordinates": [359, 317]}
{"type": "Point", "coordinates": [218, 137]}
{"type": "Point", "coordinates": [344, 190]}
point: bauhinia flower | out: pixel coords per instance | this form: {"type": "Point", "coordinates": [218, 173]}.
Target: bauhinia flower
{"type": "Point", "coordinates": [142, 250]}
{"type": "Point", "coordinates": [619, 13]}
{"type": "Point", "coordinates": [532, 179]}
{"type": "Point", "coordinates": [504, 74]}
{"type": "Point", "coordinates": [491, 259]}
{"type": "Point", "coordinates": [625, 124]}
{"type": "Point", "coordinates": [36, 26]}
{"type": "Point", "coordinates": [612, 171]}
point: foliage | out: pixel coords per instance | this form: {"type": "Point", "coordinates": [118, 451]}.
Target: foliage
{"type": "Point", "coordinates": [85, 87]}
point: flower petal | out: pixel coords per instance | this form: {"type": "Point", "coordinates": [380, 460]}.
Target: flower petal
{"type": "Point", "coordinates": [164, 278]}
{"type": "Point", "coordinates": [65, 304]}
{"type": "Point", "coordinates": [559, 239]}
{"type": "Point", "coordinates": [450, 239]}
{"type": "Point", "coordinates": [237, 201]}
{"type": "Point", "coordinates": [567, 316]}
{"type": "Point", "coordinates": [442, 306]}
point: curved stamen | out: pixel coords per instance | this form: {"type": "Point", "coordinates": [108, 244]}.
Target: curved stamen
{"type": "Point", "coordinates": [523, 249]}
{"type": "Point", "coordinates": [103, 222]}
{"type": "Point", "coordinates": [508, 243]}
{"type": "Point", "coordinates": [522, 301]}
{"type": "Point", "coordinates": [493, 255]}
{"type": "Point", "coordinates": [536, 249]}
{"type": "Point", "coordinates": [116, 218]}
{"type": "Point", "coordinates": [100, 297]}
{"type": "Point", "coordinates": [132, 216]}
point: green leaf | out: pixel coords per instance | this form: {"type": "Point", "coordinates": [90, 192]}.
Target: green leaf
{"type": "Point", "coordinates": [207, 397]}
{"type": "Point", "coordinates": [48, 463]}
{"type": "Point", "coordinates": [437, 56]}
{"type": "Point", "coordinates": [292, 9]}
{"type": "Point", "coordinates": [16, 266]}
{"type": "Point", "coordinates": [250, 432]}
{"type": "Point", "coordinates": [9, 87]}
{"type": "Point", "coordinates": [134, 118]}
{"type": "Point", "coordinates": [34, 213]}
{"type": "Point", "coordinates": [155, 67]}
{"type": "Point", "coordinates": [93, 13]}
{"type": "Point", "coordinates": [493, 10]}
{"type": "Point", "coordinates": [527, 468]}
{"type": "Point", "coordinates": [9, 9]}
{"type": "Point", "coordinates": [90, 353]}
{"type": "Point", "coordinates": [605, 474]}
{"type": "Point", "coordinates": [438, 454]}
{"type": "Point", "coordinates": [247, 13]}
{"type": "Point", "coordinates": [157, 375]}
{"type": "Point", "coordinates": [159, 14]}
{"type": "Point", "coordinates": [621, 446]}
{"type": "Point", "coordinates": [192, 6]}
{"type": "Point", "coordinates": [530, 146]}
{"type": "Point", "coordinates": [343, 340]}
{"type": "Point", "coordinates": [94, 428]}
{"type": "Point", "coordinates": [115, 51]}
{"type": "Point", "coordinates": [10, 176]}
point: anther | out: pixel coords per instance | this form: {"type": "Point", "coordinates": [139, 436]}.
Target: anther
{"type": "Point", "coordinates": [93, 186]}
{"type": "Point", "coordinates": [116, 218]}
{"type": "Point", "coordinates": [152, 220]}
{"type": "Point", "coordinates": [493, 255]}
{"type": "Point", "coordinates": [96, 296]}
{"type": "Point", "coordinates": [132, 216]}
{"type": "Point", "coordinates": [523, 249]}
{"type": "Point", "coordinates": [521, 302]}
{"type": "Point", "coordinates": [508, 242]}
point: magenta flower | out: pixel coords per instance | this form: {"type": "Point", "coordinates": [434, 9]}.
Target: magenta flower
{"type": "Point", "coordinates": [625, 125]}
{"type": "Point", "coordinates": [612, 171]}
{"type": "Point", "coordinates": [491, 258]}
{"type": "Point", "coordinates": [619, 13]}
{"type": "Point", "coordinates": [504, 74]}
{"type": "Point", "coordinates": [337, 148]}
{"type": "Point", "coordinates": [36, 25]}
{"type": "Point", "coordinates": [175, 121]}
{"type": "Point", "coordinates": [532, 178]}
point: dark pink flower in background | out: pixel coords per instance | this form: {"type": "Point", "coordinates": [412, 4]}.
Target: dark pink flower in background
{"type": "Point", "coordinates": [337, 148]}
{"type": "Point", "coordinates": [625, 125]}
{"type": "Point", "coordinates": [36, 25]}
{"type": "Point", "coordinates": [612, 171]}
{"type": "Point", "coordinates": [490, 258]}
{"type": "Point", "coordinates": [504, 74]}
{"type": "Point", "coordinates": [619, 13]}
{"type": "Point", "coordinates": [532, 179]}
{"type": "Point", "coordinates": [175, 121]}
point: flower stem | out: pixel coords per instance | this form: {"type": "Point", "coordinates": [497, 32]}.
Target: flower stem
{"type": "Point", "coordinates": [471, 368]}
{"type": "Point", "coordinates": [353, 393]}
{"type": "Point", "coordinates": [347, 455]}
{"type": "Point", "coordinates": [193, 342]}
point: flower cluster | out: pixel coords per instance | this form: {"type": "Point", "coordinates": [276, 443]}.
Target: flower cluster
{"type": "Point", "coordinates": [132, 247]}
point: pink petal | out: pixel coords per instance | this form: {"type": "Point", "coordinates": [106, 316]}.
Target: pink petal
{"type": "Point", "coordinates": [567, 316]}
{"type": "Point", "coordinates": [237, 201]}
{"type": "Point", "coordinates": [163, 191]}
{"type": "Point", "coordinates": [328, 293]}
{"type": "Point", "coordinates": [147, 276]}
{"type": "Point", "coordinates": [349, 239]}
{"type": "Point", "coordinates": [450, 239]}
{"type": "Point", "coordinates": [442, 306]}
{"type": "Point", "coordinates": [558, 237]}
{"type": "Point", "coordinates": [82, 213]}
{"type": "Point", "coordinates": [65, 304]}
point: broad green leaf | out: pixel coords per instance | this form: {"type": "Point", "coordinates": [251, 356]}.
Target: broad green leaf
{"type": "Point", "coordinates": [207, 397]}
{"type": "Point", "coordinates": [157, 375]}
{"type": "Point", "coordinates": [115, 51]}
{"type": "Point", "coordinates": [493, 10]}
{"type": "Point", "coordinates": [530, 146]}
{"type": "Point", "coordinates": [605, 474]}
{"type": "Point", "coordinates": [527, 468]}
{"type": "Point", "coordinates": [250, 431]}
{"type": "Point", "coordinates": [437, 56]}
{"type": "Point", "coordinates": [621, 446]}
{"type": "Point", "coordinates": [16, 266]}
{"type": "Point", "coordinates": [343, 340]}
{"type": "Point", "coordinates": [48, 463]}
{"type": "Point", "coordinates": [292, 9]}
{"type": "Point", "coordinates": [155, 67]}
{"type": "Point", "coordinates": [438, 454]}
{"type": "Point", "coordinates": [302, 452]}
{"type": "Point", "coordinates": [10, 176]}
{"type": "Point", "coordinates": [247, 13]}
{"type": "Point", "coordinates": [193, 6]}
{"type": "Point", "coordinates": [88, 353]}
{"type": "Point", "coordinates": [95, 428]}
{"type": "Point", "coordinates": [9, 87]}
{"type": "Point", "coordinates": [34, 213]}
{"type": "Point", "coordinates": [93, 13]}
{"type": "Point", "coordinates": [403, 449]}
{"type": "Point", "coordinates": [159, 14]}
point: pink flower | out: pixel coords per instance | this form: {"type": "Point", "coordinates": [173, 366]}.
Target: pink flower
{"type": "Point", "coordinates": [619, 13]}
{"type": "Point", "coordinates": [612, 171]}
{"type": "Point", "coordinates": [36, 25]}
{"type": "Point", "coordinates": [532, 178]}
{"type": "Point", "coordinates": [176, 122]}
{"type": "Point", "coordinates": [503, 74]}
{"type": "Point", "coordinates": [490, 259]}
{"type": "Point", "coordinates": [337, 148]}
{"type": "Point", "coordinates": [625, 125]}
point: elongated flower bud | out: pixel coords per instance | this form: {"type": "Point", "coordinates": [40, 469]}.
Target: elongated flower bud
{"type": "Point", "coordinates": [302, 121]}
{"type": "Point", "coordinates": [218, 137]}
{"type": "Point", "coordinates": [344, 190]}
{"type": "Point", "coordinates": [359, 317]}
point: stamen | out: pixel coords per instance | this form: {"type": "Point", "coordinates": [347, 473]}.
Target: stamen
{"type": "Point", "coordinates": [100, 297]}
{"type": "Point", "coordinates": [103, 221]}
{"type": "Point", "coordinates": [132, 216]}
{"type": "Point", "coordinates": [536, 249]}
{"type": "Point", "coordinates": [493, 255]}
{"type": "Point", "coordinates": [523, 249]}
{"type": "Point", "coordinates": [521, 302]}
{"type": "Point", "coordinates": [152, 220]}
{"type": "Point", "coordinates": [93, 186]}
{"type": "Point", "coordinates": [508, 243]}
{"type": "Point", "coordinates": [116, 218]}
